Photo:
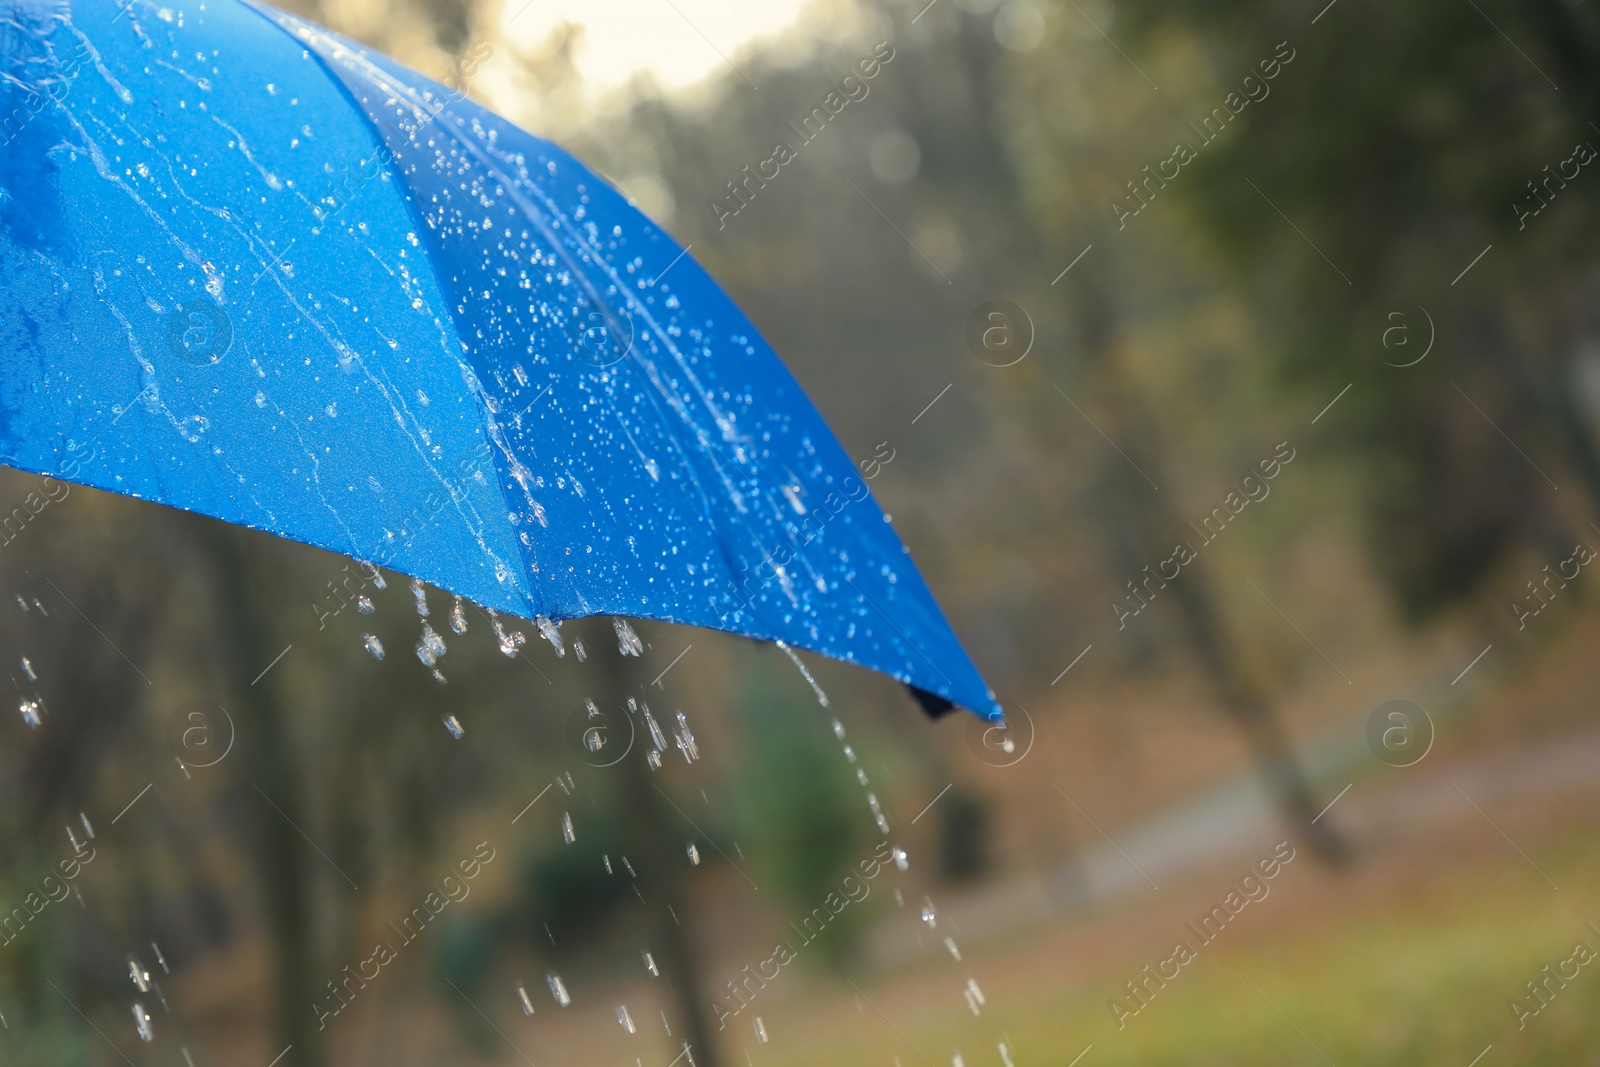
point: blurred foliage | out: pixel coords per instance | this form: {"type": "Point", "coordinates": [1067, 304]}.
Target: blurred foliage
{"type": "Point", "coordinates": [799, 800]}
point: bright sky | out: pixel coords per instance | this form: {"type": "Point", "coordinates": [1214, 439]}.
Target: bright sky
{"type": "Point", "coordinates": [679, 41]}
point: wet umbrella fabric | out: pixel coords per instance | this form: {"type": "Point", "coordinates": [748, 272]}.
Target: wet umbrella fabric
{"type": "Point", "coordinates": [250, 270]}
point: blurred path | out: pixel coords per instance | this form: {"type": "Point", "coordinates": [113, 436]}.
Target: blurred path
{"type": "Point", "coordinates": [1236, 820]}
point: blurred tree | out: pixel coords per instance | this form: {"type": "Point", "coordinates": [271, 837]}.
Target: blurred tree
{"type": "Point", "coordinates": [1405, 140]}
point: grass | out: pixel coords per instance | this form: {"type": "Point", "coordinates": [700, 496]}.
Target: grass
{"type": "Point", "coordinates": [1420, 974]}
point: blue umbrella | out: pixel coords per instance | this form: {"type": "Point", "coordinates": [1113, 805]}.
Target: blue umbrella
{"type": "Point", "coordinates": [251, 270]}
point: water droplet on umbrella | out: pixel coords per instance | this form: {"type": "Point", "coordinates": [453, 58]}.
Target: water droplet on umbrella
{"type": "Point", "coordinates": [761, 1030]}
{"type": "Point", "coordinates": [567, 833]}
{"type": "Point", "coordinates": [930, 915]}
{"type": "Point", "coordinates": [650, 965]}
{"type": "Point", "coordinates": [373, 645]}
{"type": "Point", "coordinates": [141, 1022]}
{"type": "Point", "coordinates": [558, 989]}
{"type": "Point", "coordinates": [694, 854]}
{"type": "Point", "coordinates": [453, 724]}
{"type": "Point", "coordinates": [625, 1020]}
{"type": "Point", "coordinates": [522, 995]}
{"type": "Point", "coordinates": [458, 617]}
{"type": "Point", "coordinates": [27, 668]}
{"type": "Point", "coordinates": [364, 605]}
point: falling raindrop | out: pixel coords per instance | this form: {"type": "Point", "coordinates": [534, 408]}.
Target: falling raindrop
{"type": "Point", "coordinates": [838, 729]}
{"type": "Point", "coordinates": [974, 996]}
{"type": "Point", "coordinates": [900, 859]}
{"type": "Point", "coordinates": [522, 995]}
{"type": "Point", "coordinates": [694, 854]}
{"type": "Point", "coordinates": [567, 833]}
{"type": "Point", "coordinates": [628, 642]}
{"type": "Point", "coordinates": [139, 976]}
{"type": "Point", "coordinates": [650, 965]}
{"type": "Point", "coordinates": [558, 989]}
{"type": "Point", "coordinates": [422, 597]}
{"type": "Point", "coordinates": [153, 946]}
{"type": "Point", "coordinates": [551, 632]}
{"type": "Point", "coordinates": [458, 617]}
{"type": "Point", "coordinates": [653, 758]}
{"type": "Point", "coordinates": [509, 641]}
{"type": "Point", "coordinates": [606, 859]}
{"type": "Point", "coordinates": [956, 1060]}
{"type": "Point", "coordinates": [377, 579]}
{"type": "Point", "coordinates": [430, 646]}
{"type": "Point", "coordinates": [761, 1030]}
{"type": "Point", "coordinates": [577, 650]}
{"type": "Point", "coordinates": [950, 943]}
{"type": "Point", "coordinates": [685, 740]}
{"type": "Point", "coordinates": [373, 645]}
{"type": "Point", "coordinates": [364, 605]}
{"type": "Point", "coordinates": [625, 1020]}
{"type": "Point", "coordinates": [629, 868]}
{"type": "Point", "coordinates": [1005, 1055]}
{"type": "Point", "coordinates": [141, 1022]}
{"type": "Point", "coordinates": [23, 604]}
{"type": "Point", "coordinates": [27, 668]}
{"type": "Point", "coordinates": [822, 698]}
{"type": "Point", "coordinates": [30, 707]}
{"type": "Point", "coordinates": [930, 915]}
{"type": "Point", "coordinates": [657, 738]}
{"type": "Point", "coordinates": [453, 724]}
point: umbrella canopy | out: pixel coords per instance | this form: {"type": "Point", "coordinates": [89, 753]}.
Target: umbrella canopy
{"type": "Point", "coordinates": [250, 270]}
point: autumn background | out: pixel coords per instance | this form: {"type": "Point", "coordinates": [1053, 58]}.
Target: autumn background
{"type": "Point", "coordinates": [1350, 270]}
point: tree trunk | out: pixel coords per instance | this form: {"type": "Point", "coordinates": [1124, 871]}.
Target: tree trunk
{"type": "Point", "coordinates": [662, 868]}
{"type": "Point", "coordinates": [268, 764]}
